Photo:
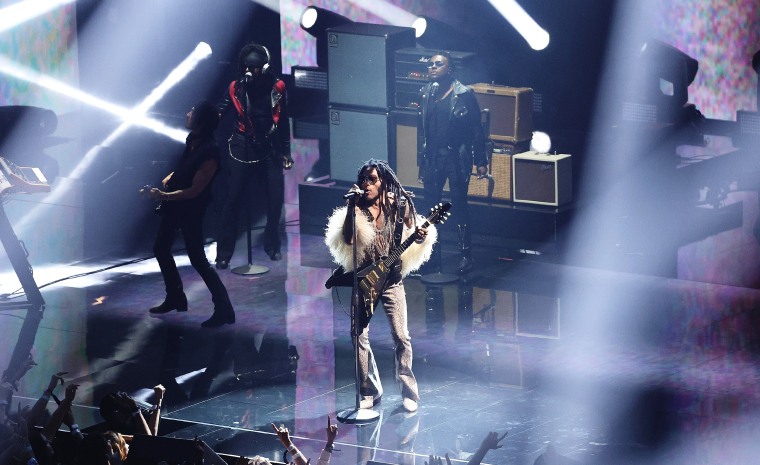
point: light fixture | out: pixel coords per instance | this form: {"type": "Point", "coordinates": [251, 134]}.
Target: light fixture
{"type": "Point", "coordinates": [316, 21]}
{"type": "Point", "coordinates": [540, 142]}
{"type": "Point", "coordinates": [668, 72]}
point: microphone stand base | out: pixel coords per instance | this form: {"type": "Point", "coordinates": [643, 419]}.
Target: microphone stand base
{"type": "Point", "coordinates": [249, 269]}
{"type": "Point", "coordinates": [439, 278]}
{"type": "Point", "coordinates": [357, 416]}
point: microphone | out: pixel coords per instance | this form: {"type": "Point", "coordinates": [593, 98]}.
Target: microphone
{"type": "Point", "coordinates": [353, 194]}
{"type": "Point", "coordinates": [434, 89]}
{"type": "Point", "coordinates": [247, 77]}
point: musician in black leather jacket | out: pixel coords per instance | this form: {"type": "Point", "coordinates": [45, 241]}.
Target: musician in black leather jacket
{"type": "Point", "coordinates": [451, 142]}
{"type": "Point", "coordinates": [186, 194]}
{"type": "Point", "coordinates": [258, 149]}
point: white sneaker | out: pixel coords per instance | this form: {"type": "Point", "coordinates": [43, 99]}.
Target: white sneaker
{"type": "Point", "coordinates": [366, 402]}
{"type": "Point", "coordinates": [409, 404]}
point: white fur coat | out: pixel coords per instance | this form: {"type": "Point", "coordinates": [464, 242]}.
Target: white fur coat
{"type": "Point", "coordinates": [342, 253]}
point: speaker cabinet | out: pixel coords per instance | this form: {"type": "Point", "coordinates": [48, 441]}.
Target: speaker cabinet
{"type": "Point", "coordinates": [355, 137]}
{"type": "Point", "coordinates": [542, 179]}
{"type": "Point", "coordinates": [511, 110]}
{"type": "Point", "coordinates": [499, 185]}
{"type": "Point", "coordinates": [405, 160]}
{"type": "Point", "coordinates": [361, 57]}
{"type": "Point", "coordinates": [537, 316]}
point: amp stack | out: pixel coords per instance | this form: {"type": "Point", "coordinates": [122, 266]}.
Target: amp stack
{"type": "Point", "coordinates": [510, 127]}
{"type": "Point", "coordinates": [361, 90]}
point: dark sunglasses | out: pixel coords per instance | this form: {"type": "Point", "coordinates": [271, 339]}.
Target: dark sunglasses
{"type": "Point", "coordinates": [369, 179]}
{"type": "Point", "coordinates": [436, 64]}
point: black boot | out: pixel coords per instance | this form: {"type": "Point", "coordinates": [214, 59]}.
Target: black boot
{"type": "Point", "coordinates": [221, 317]}
{"type": "Point", "coordinates": [176, 302]}
{"type": "Point", "coordinates": [466, 264]}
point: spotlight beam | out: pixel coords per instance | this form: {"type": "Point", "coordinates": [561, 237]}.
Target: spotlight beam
{"type": "Point", "coordinates": [17, 71]}
{"type": "Point", "coordinates": [394, 15]}
{"type": "Point", "coordinates": [202, 50]}
{"type": "Point", "coordinates": [527, 27]}
{"type": "Point", "coordinates": [21, 12]}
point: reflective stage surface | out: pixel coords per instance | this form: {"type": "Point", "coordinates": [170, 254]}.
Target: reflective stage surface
{"type": "Point", "coordinates": [598, 364]}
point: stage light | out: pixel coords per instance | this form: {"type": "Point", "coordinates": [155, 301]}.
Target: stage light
{"type": "Point", "coordinates": [316, 21]}
{"type": "Point", "coordinates": [18, 13]}
{"type": "Point", "coordinates": [540, 142]}
{"type": "Point", "coordinates": [668, 72]}
{"type": "Point", "coordinates": [527, 27]}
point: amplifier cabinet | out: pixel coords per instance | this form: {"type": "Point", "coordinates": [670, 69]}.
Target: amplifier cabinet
{"type": "Point", "coordinates": [511, 110]}
{"type": "Point", "coordinates": [499, 185]}
{"type": "Point", "coordinates": [361, 57]}
{"type": "Point", "coordinates": [356, 136]}
{"type": "Point", "coordinates": [542, 179]}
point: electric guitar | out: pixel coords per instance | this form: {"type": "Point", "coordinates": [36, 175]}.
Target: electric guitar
{"type": "Point", "coordinates": [372, 277]}
{"type": "Point", "coordinates": [144, 193]}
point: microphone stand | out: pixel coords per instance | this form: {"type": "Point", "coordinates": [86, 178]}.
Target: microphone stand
{"type": "Point", "coordinates": [356, 415]}
{"type": "Point", "coordinates": [250, 268]}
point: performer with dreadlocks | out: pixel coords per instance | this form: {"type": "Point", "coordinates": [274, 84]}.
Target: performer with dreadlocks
{"type": "Point", "coordinates": [382, 206]}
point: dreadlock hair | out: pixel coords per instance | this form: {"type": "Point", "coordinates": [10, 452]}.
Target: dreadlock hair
{"type": "Point", "coordinates": [391, 188]}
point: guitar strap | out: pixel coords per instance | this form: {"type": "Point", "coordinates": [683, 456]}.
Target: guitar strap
{"type": "Point", "coordinates": [398, 232]}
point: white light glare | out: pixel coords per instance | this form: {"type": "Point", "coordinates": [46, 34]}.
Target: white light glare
{"type": "Point", "coordinates": [386, 10]}
{"type": "Point", "coordinates": [309, 17]}
{"type": "Point", "coordinates": [541, 142]}
{"type": "Point", "coordinates": [535, 35]}
{"type": "Point", "coordinates": [25, 74]}
{"type": "Point", "coordinates": [21, 12]}
{"type": "Point", "coordinates": [202, 50]}
{"type": "Point", "coordinates": [419, 25]}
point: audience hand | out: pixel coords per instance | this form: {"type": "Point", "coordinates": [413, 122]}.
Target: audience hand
{"type": "Point", "coordinates": [22, 369]}
{"type": "Point", "coordinates": [491, 441]}
{"type": "Point", "coordinates": [54, 380]}
{"type": "Point", "coordinates": [283, 435]}
{"type": "Point", "coordinates": [332, 432]}
{"type": "Point", "coordinates": [434, 460]}
{"type": "Point", "coordinates": [159, 390]}
{"type": "Point", "coordinates": [71, 392]}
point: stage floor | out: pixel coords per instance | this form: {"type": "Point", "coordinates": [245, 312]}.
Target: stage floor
{"type": "Point", "coordinates": [600, 364]}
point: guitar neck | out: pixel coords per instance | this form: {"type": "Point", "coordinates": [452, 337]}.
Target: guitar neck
{"type": "Point", "coordinates": [391, 259]}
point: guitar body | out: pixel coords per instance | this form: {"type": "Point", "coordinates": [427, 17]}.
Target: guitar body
{"type": "Point", "coordinates": [373, 278]}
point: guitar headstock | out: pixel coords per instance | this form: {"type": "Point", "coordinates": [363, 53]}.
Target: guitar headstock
{"type": "Point", "coordinates": [439, 213]}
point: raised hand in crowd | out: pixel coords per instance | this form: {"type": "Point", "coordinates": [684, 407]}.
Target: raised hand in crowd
{"type": "Point", "coordinates": [490, 442]}
{"type": "Point", "coordinates": [15, 376]}
{"type": "Point", "coordinates": [332, 432]}
{"type": "Point", "coordinates": [435, 460]}
{"type": "Point", "coordinates": [48, 432]}
{"type": "Point", "coordinates": [155, 415]}
{"type": "Point", "coordinates": [284, 436]}
{"type": "Point", "coordinates": [128, 403]}
{"type": "Point", "coordinates": [39, 407]}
